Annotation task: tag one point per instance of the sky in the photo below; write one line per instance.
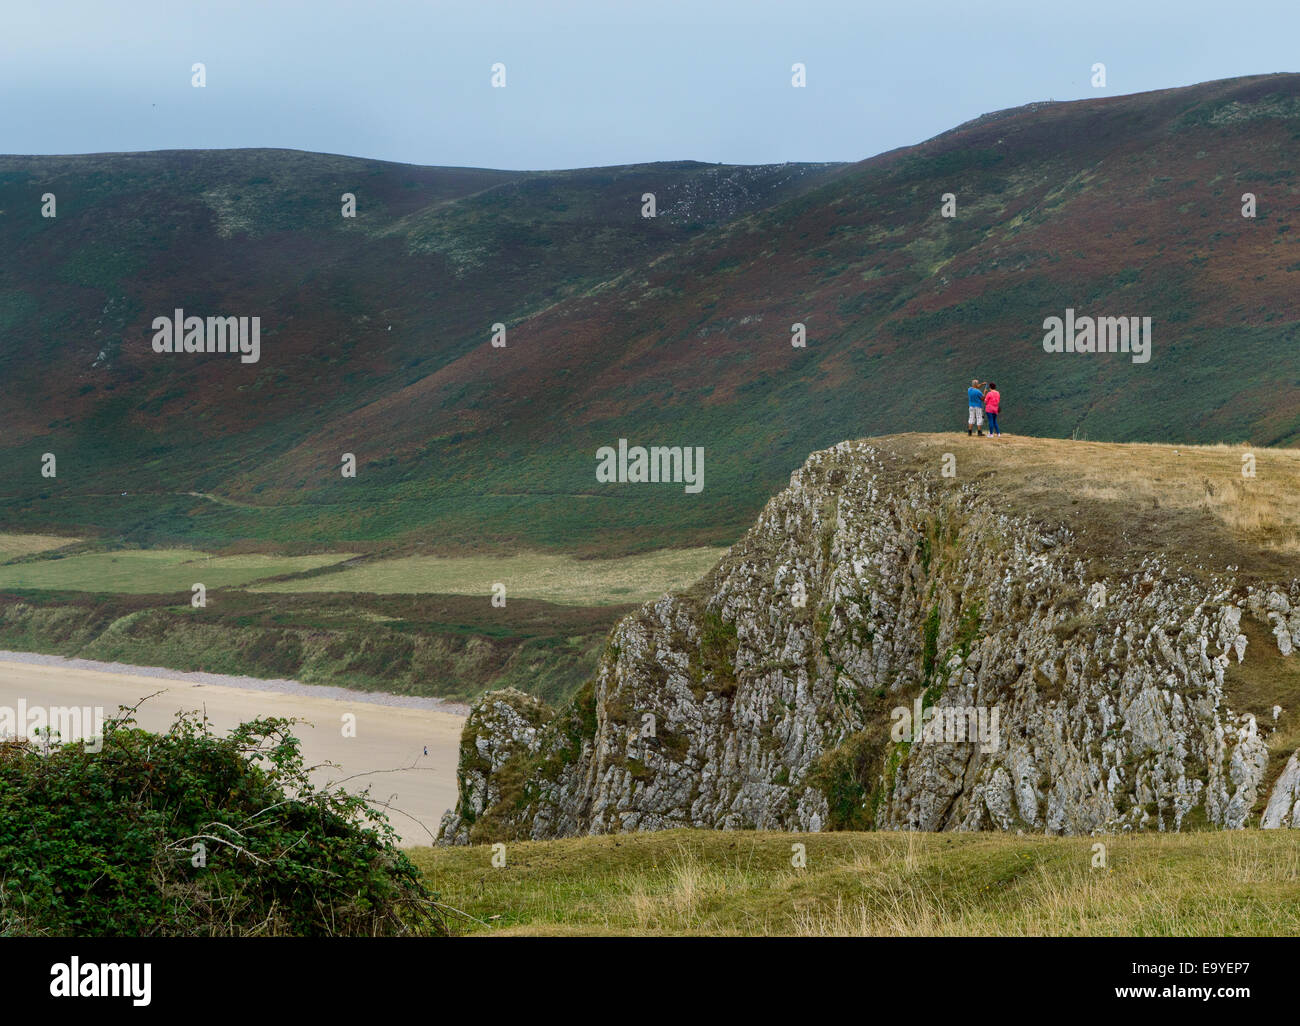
(590, 82)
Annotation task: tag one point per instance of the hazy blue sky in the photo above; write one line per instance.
(590, 81)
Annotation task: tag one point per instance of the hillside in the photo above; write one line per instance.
(353, 311)
(673, 330)
(940, 633)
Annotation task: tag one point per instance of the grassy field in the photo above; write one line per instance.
(153, 571)
(564, 580)
(560, 579)
(877, 884)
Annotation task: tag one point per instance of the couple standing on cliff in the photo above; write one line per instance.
(983, 399)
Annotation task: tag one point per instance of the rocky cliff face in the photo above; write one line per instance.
(888, 649)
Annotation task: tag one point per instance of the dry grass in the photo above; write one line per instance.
(739, 883)
(1186, 499)
(533, 575)
(13, 546)
(1158, 890)
(1261, 510)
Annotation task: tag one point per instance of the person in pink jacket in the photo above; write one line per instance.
(992, 402)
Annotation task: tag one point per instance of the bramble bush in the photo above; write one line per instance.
(104, 843)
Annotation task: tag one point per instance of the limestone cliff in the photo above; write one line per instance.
(1066, 681)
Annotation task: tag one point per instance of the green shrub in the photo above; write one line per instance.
(108, 843)
(847, 776)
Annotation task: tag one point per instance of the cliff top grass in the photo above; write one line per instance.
(1128, 500)
(700, 882)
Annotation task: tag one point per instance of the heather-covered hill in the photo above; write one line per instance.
(352, 310)
(674, 330)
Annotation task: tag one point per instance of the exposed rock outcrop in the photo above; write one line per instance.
(884, 650)
(502, 726)
(1283, 809)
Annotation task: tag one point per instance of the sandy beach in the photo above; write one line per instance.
(387, 750)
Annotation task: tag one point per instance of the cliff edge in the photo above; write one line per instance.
(934, 632)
